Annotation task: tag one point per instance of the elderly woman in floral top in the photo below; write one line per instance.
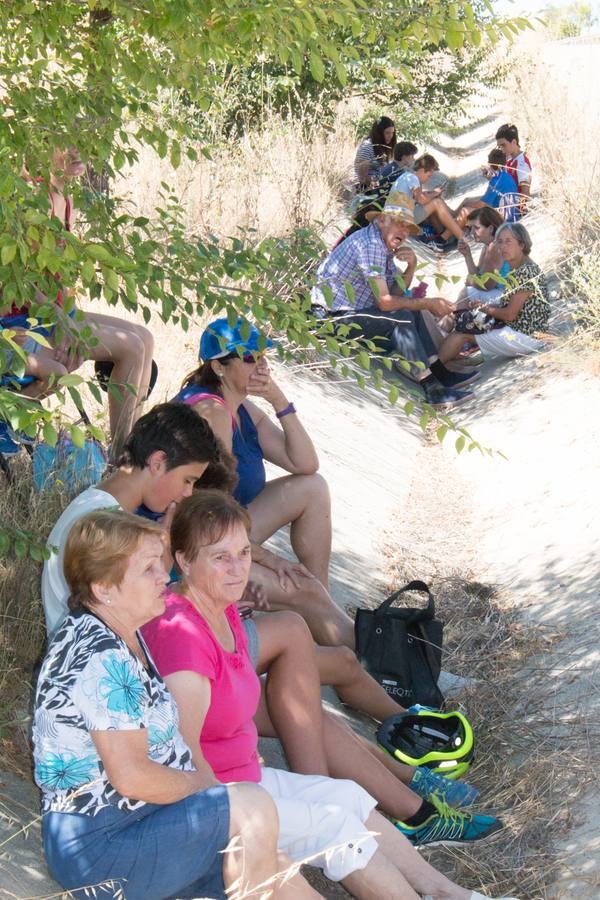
(123, 806)
(511, 329)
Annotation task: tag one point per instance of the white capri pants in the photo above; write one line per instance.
(506, 343)
(321, 821)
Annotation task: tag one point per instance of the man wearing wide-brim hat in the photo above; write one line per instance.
(359, 283)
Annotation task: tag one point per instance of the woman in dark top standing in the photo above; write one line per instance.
(232, 368)
(375, 151)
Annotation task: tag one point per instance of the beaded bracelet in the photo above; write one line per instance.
(290, 408)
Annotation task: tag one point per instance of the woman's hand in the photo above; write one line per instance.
(260, 384)
(464, 248)
(288, 572)
(254, 597)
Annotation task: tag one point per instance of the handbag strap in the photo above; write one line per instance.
(428, 612)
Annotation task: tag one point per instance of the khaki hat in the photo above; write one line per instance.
(398, 206)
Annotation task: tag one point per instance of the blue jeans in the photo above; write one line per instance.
(401, 333)
(157, 852)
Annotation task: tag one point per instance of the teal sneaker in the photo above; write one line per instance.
(449, 826)
(425, 782)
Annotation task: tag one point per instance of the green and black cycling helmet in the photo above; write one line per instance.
(442, 741)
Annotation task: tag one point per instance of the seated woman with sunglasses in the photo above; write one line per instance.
(232, 368)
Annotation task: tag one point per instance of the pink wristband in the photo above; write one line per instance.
(290, 408)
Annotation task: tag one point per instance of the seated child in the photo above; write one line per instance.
(430, 207)
(501, 193)
(403, 161)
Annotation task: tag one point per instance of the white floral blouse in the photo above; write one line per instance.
(90, 681)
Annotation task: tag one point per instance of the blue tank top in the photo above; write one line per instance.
(246, 448)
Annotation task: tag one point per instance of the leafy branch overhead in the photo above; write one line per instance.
(89, 73)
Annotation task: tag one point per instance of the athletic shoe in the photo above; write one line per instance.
(446, 245)
(444, 398)
(425, 782)
(449, 826)
(457, 379)
(8, 447)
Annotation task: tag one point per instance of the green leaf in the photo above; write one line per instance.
(364, 360)
(8, 253)
(77, 435)
(317, 69)
(460, 443)
(50, 434)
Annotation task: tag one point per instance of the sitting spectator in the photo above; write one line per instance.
(374, 152)
(122, 801)
(430, 207)
(484, 224)
(508, 330)
(403, 161)
(169, 449)
(127, 345)
(279, 644)
(501, 193)
(200, 649)
(382, 310)
(232, 369)
(517, 163)
(373, 199)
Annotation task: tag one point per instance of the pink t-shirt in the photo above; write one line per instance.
(182, 640)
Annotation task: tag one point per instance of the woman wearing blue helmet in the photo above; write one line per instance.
(232, 368)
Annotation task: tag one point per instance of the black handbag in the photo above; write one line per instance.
(401, 647)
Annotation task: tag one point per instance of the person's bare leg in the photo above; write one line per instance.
(421, 876)
(438, 209)
(126, 350)
(250, 858)
(303, 502)
(293, 696)
(348, 757)
(346, 754)
(339, 667)
(147, 340)
(290, 885)
(452, 345)
(46, 370)
(328, 624)
(379, 880)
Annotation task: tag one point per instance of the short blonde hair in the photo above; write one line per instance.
(97, 551)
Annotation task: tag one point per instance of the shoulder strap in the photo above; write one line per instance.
(192, 399)
(429, 610)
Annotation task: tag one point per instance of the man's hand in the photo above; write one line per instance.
(406, 255)
(438, 306)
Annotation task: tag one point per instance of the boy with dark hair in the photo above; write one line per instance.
(501, 193)
(404, 158)
(167, 451)
(517, 163)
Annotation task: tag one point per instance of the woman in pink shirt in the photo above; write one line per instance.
(199, 646)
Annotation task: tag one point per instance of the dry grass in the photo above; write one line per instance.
(520, 765)
(22, 628)
(553, 97)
